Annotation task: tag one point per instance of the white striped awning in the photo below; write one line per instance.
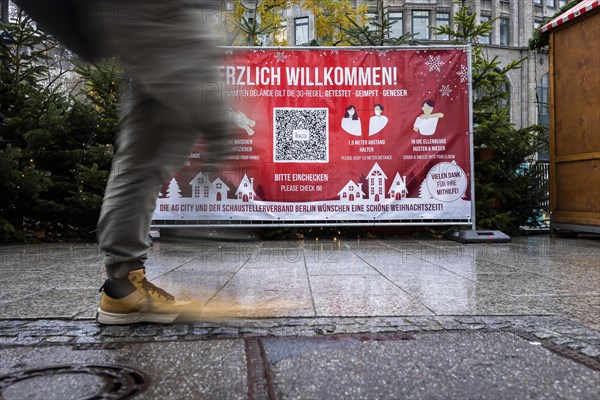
(570, 14)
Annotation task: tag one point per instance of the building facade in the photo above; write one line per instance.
(514, 23)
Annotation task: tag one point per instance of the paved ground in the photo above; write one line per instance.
(313, 319)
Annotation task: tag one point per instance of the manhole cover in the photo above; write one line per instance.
(71, 382)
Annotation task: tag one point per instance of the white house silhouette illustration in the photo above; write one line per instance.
(376, 180)
(201, 186)
(245, 191)
(219, 190)
(204, 189)
(351, 192)
(398, 190)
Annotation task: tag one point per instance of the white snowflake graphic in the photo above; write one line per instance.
(382, 53)
(445, 90)
(434, 63)
(335, 52)
(463, 73)
(280, 57)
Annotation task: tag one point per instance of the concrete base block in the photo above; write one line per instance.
(479, 236)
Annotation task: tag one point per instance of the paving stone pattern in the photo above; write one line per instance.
(556, 333)
(538, 275)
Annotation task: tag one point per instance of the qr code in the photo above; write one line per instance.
(301, 135)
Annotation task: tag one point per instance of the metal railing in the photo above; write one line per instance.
(541, 173)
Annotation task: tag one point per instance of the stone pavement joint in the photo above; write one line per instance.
(566, 337)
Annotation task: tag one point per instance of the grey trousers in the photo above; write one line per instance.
(167, 49)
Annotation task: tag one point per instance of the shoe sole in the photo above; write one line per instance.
(107, 318)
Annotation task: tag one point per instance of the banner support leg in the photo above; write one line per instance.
(473, 235)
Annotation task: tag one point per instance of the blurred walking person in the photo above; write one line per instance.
(168, 51)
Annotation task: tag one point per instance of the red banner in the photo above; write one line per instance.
(336, 134)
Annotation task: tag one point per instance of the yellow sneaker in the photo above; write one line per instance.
(134, 299)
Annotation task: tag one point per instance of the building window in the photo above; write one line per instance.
(420, 24)
(206, 191)
(537, 2)
(442, 19)
(301, 31)
(488, 38)
(542, 100)
(504, 31)
(281, 33)
(550, 3)
(197, 191)
(505, 88)
(542, 107)
(371, 19)
(561, 3)
(397, 21)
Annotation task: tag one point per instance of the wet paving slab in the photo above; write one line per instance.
(317, 319)
(360, 277)
(450, 365)
(169, 370)
(338, 358)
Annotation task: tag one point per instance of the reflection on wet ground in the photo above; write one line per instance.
(538, 275)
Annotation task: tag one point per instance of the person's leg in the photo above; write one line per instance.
(151, 145)
(167, 50)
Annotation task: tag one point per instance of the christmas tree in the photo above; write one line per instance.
(26, 102)
(56, 148)
(506, 194)
(173, 191)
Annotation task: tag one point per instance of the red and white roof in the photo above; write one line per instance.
(570, 14)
